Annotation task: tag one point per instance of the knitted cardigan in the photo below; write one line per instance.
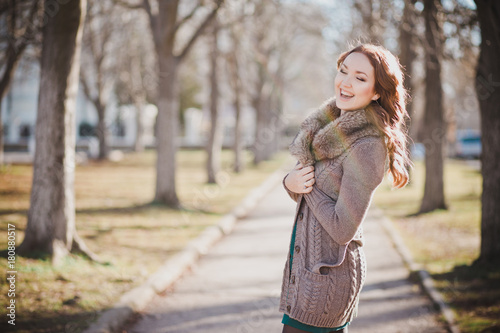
(328, 270)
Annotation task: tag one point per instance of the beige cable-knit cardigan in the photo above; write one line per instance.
(328, 270)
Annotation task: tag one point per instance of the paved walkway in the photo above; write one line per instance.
(235, 287)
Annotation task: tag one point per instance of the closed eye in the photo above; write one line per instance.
(361, 79)
(343, 71)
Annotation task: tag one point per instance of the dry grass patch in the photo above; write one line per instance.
(117, 220)
(446, 242)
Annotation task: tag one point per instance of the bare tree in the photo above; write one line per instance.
(23, 21)
(165, 25)
(98, 73)
(407, 45)
(136, 83)
(234, 20)
(269, 47)
(434, 125)
(51, 216)
(374, 17)
(408, 55)
(277, 29)
(234, 78)
(487, 85)
(368, 18)
(139, 97)
(260, 99)
(214, 144)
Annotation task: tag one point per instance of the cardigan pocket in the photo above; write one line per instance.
(316, 269)
(312, 291)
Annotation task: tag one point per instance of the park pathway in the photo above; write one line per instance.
(235, 287)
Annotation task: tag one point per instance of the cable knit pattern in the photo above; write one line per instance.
(329, 267)
(317, 242)
(353, 260)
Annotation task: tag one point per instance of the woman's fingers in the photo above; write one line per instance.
(308, 189)
(307, 170)
(300, 179)
(308, 176)
(310, 182)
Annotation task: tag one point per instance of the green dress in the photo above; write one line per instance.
(295, 323)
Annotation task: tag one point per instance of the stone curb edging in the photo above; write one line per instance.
(136, 299)
(423, 275)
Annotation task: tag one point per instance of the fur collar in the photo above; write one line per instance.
(326, 135)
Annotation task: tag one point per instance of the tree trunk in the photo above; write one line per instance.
(139, 137)
(164, 27)
(268, 125)
(137, 92)
(407, 57)
(373, 32)
(407, 54)
(277, 125)
(268, 131)
(51, 216)
(435, 130)
(98, 36)
(214, 145)
(260, 133)
(102, 131)
(1, 135)
(276, 110)
(260, 117)
(167, 120)
(167, 123)
(236, 84)
(488, 93)
(238, 139)
(370, 23)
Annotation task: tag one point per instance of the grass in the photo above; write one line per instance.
(447, 242)
(115, 218)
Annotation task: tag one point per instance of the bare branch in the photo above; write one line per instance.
(238, 20)
(86, 87)
(199, 31)
(3, 7)
(29, 28)
(16, 44)
(129, 5)
(9, 68)
(96, 49)
(11, 19)
(153, 22)
(188, 16)
(146, 5)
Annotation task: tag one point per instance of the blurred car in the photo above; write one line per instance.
(469, 147)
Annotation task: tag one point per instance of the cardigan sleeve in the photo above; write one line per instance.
(293, 195)
(363, 171)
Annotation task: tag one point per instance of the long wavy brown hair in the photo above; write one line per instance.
(391, 120)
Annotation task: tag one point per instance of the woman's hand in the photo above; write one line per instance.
(300, 179)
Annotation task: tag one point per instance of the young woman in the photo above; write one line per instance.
(342, 149)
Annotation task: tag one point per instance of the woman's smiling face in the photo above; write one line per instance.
(355, 83)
